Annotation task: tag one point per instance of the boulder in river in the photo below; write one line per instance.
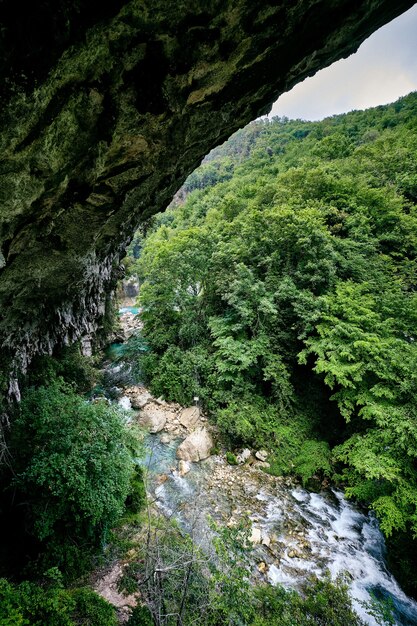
(183, 467)
(153, 417)
(189, 417)
(256, 536)
(139, 396)
(196, 446)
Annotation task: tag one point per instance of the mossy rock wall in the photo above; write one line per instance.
(106, 110)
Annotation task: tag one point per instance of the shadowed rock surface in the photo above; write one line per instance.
(104, 115)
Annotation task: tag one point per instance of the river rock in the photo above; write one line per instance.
(264, 464)
(196, 446)
(261, 455)
(139, 396)
(243, 456)
(189, 417)
(183, 467)
(262, 567)
(256, 535)
(154, 418)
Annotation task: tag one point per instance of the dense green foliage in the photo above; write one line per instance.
(70, 476)
(28, 604)
(73, 466)
(283, 294)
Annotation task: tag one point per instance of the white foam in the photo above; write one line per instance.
(124, 402)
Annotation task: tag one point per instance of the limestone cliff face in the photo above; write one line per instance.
(104, 114)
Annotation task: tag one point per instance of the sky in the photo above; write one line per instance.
(383, 69)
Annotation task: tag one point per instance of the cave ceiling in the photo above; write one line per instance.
(106, 107)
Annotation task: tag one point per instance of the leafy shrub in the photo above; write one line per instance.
(323, 602)
(178, 375)
(231, 458)
(137, 493)
(140, 616)
(73, 466)
(69, 364)
(314, 457)
(29, 604)
(91, 609)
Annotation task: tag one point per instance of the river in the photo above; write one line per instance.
(297, 532)
(302, 533)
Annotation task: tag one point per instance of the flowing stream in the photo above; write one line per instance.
(302, 533)
(299, 533)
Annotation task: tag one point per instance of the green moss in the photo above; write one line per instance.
(231, 458)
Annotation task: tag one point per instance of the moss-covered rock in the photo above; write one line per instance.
(105, 113)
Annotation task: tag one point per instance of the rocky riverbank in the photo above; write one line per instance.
(294, 533)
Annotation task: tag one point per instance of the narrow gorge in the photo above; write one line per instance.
(106, 110)
(208, 319)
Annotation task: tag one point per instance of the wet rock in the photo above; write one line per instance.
(189, 417)
(183, 467)
(197, 446)
(130, 324)
(153, 417)
(139, 396)
(261, 455)
(124, 403)
(165, 438)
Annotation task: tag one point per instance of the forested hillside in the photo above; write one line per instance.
(282, 293)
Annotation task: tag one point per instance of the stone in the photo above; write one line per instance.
(153, 418)
(197, 446)
(243, 456)
(256, 535)
(262, 567)
(266, 541)
(139, 396)
(264, 464)
(189, 417)
(104, 114)
(183, 467)
(165, 438)
(291, 554)
(261, 455)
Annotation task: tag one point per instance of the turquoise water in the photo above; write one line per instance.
(115, 351)
(129, 309)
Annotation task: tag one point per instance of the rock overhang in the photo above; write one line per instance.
(104, 116)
